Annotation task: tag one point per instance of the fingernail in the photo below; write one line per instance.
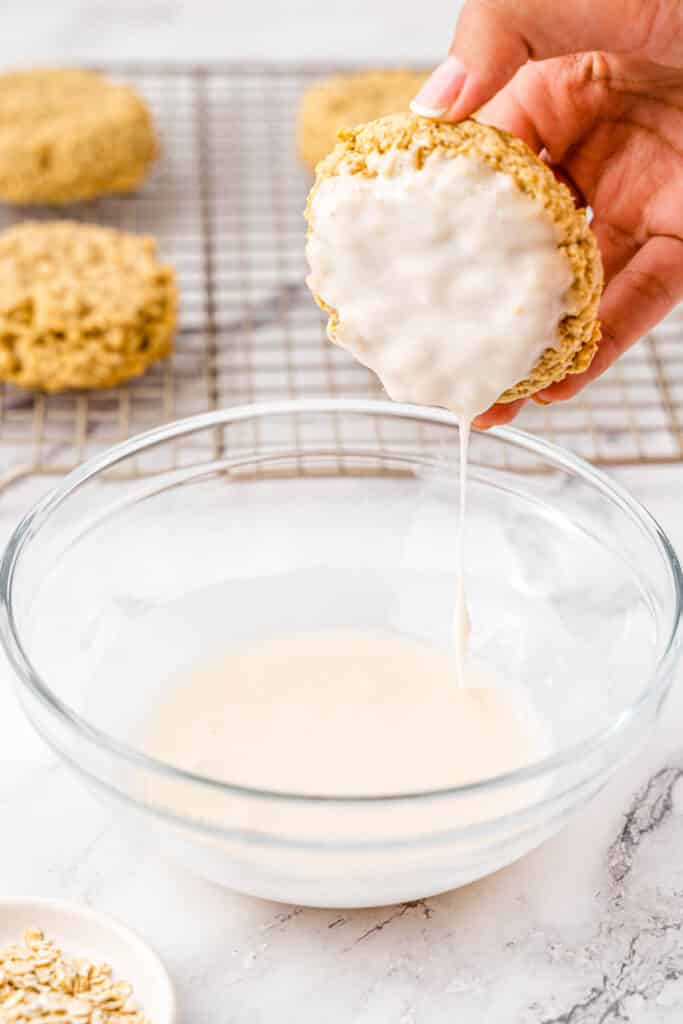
(441, 89)
(433, 112)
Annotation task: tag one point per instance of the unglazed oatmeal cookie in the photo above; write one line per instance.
(434, 246)
(344, 101)
(81, 306)
(69, 134)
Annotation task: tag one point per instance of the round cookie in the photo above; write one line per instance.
(68, 134)
(81, 306)
(344, 101)
(414, 140)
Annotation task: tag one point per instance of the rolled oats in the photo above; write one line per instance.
(40, 983)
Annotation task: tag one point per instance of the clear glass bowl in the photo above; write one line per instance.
(331, 513)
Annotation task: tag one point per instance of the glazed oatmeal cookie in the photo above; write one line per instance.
(413, 140)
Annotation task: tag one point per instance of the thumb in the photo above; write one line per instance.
(494, 39)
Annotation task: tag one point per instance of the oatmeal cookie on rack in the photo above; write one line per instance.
(343, 101)
(68, 134)
(81, 306)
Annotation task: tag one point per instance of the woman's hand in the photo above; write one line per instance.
(597, 89)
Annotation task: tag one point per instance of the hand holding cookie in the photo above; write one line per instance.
(608, 120)
(452, 263)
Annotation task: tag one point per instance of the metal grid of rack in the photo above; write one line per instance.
(225, 204)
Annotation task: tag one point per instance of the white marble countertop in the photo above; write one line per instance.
(587, 929)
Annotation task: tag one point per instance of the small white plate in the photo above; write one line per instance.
(84, 932)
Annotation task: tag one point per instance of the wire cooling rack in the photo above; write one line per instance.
(225, 204)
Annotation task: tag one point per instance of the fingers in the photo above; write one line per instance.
(488, 50)
(498, 414)
(617, 247)
(555, 103)
(494, 39)
(441, 89)
(637, 298)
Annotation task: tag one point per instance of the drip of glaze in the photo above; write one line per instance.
(448, 282)
(462, 618)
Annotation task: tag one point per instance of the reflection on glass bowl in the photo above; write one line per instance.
(327, 515)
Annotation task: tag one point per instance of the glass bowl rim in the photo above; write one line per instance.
(31, 523)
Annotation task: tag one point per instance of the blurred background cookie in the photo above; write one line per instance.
(69, 134)
(344, 101)
(81, 306)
